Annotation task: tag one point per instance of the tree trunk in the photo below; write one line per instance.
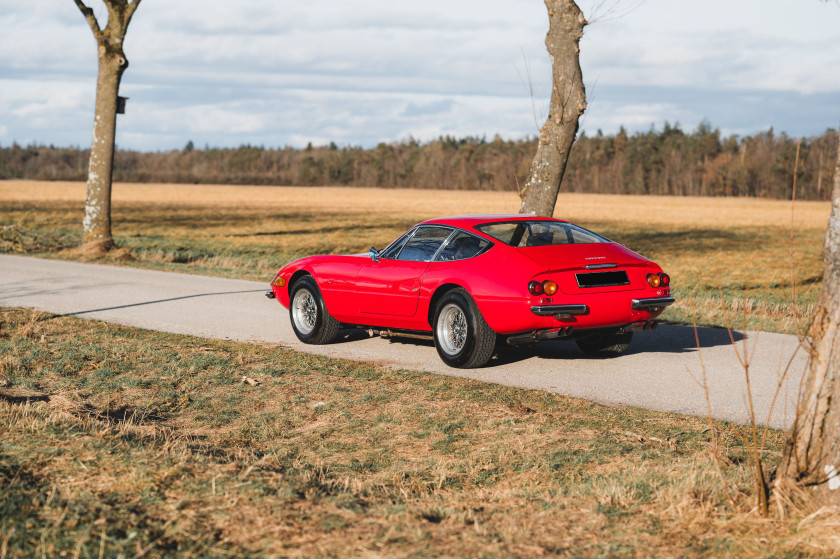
(97, 221)
(812, 453)
(568, 101)
(96, 226)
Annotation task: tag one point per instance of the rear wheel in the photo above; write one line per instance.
(605, 345)
(310, 320)
(462, 337)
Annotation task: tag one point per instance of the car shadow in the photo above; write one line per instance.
(668, 338)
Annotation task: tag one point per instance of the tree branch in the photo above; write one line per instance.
(91, 18)
(129, 11)
(122, 8)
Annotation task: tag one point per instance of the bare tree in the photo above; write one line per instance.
(812, 454)
(568, 101)
(112, 64)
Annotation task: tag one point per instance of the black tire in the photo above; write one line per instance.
(462, 337)
(605, 345)
(310, 320)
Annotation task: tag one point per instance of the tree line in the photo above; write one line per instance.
(666, 161)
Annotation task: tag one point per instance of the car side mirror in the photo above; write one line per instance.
(374, 254)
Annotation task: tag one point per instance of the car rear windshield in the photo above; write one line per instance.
(539, 233)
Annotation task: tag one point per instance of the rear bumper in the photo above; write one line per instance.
(564, 311)
(596, 310)
(652, 304)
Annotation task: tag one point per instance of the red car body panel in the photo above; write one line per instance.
(389, 287)
(398, 294)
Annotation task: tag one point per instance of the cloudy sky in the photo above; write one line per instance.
(358, 72)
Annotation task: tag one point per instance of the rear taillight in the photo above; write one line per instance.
(659, 280)
(547, 287)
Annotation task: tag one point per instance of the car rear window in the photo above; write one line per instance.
(539, 233)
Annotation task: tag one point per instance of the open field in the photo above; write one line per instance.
(722, 253)
(125, 442)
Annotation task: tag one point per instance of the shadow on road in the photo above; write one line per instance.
(665, 339)
(672, 338)
(144, 303)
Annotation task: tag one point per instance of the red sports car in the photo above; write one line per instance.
(469, 281)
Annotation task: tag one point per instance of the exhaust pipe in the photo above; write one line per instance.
(540, 335)
(639, 326)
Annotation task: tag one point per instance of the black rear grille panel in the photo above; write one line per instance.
(602, 279)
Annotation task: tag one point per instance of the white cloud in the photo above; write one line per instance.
(364, 71)
(782, 45)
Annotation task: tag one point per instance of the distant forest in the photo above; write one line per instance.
(669, 161)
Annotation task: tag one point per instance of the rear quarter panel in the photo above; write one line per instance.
(497, 281)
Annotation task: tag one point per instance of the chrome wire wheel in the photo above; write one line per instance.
(452, 329)
(304, 311)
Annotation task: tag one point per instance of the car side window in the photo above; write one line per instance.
(462, 246)
(425, 242)
(394, 248)
(539, 233)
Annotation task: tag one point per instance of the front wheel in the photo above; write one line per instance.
(605, 345)
(310, 320)
(462, 337)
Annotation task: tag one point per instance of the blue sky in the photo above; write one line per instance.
(359, 72)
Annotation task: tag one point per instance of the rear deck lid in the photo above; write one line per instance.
(591, 268)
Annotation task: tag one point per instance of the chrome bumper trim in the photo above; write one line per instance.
(551, 310)
(653, 303)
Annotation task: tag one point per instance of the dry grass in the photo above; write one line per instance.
(669, 211)
(142, 443)
(725, 253)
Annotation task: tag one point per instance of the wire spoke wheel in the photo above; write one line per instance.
(452, 329)
(310, 318)
(304, 311)
(462, 337)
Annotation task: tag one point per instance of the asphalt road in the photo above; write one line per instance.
(656, 373)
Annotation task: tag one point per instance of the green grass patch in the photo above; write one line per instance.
(124, 442)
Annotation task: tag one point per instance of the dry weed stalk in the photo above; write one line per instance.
(756, 447)
(745, 357)
(792, 263)
(716, 454)
(31, 327)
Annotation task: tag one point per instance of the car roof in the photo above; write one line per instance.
(469, 221)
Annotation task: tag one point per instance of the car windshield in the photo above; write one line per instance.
(539, 233)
